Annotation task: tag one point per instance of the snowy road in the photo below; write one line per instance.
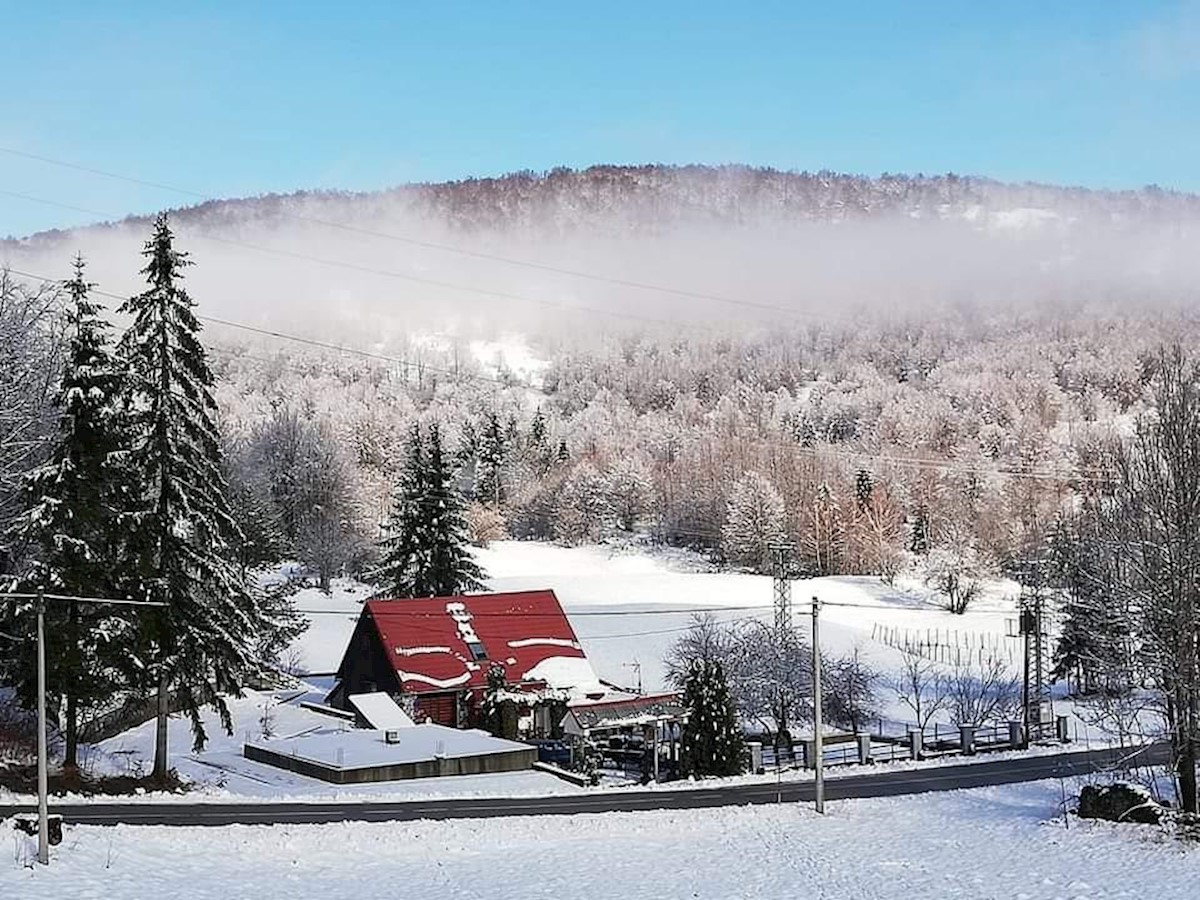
(996, 843)
(881, 784)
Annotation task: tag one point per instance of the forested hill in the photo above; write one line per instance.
(654, 197)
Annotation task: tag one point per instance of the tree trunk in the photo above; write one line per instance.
(160, 733)
(1185, 768)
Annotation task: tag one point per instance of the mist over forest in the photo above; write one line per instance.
(784, 248)
(901, 362)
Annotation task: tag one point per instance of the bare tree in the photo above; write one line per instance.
(982, 689)
(923, 687)
(768, 676)
(706, 640)
(1151, 528)
(30, 347)
(850, 691)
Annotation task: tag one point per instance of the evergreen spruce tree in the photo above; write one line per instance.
(919, 542)
(493, 448)
(712, 742)
(70, 525)
(864, 485)
(450, 567)
(401, 547)
(201, 646)
(425, 551)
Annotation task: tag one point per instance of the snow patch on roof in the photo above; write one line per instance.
(435, 682)
(415, 651)
(544, 642)
(572, 673)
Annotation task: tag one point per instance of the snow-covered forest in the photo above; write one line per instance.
(833, 381)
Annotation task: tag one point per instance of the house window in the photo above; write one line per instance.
(477, 651)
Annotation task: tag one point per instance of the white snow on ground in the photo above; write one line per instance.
(622, 604)
(220, 773)
(1004, 842)
(627, 606)
(510, 353)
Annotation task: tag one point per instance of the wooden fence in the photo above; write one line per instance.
(947, 646)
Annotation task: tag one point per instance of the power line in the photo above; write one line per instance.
(324, 345)
(919, 463)
(400, 601)
(433, 282)
(386, 273)
(417, 242)
(12, 595)
(694, 610)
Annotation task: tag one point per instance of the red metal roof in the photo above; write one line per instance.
(435, 644)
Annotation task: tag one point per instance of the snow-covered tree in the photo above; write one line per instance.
(1150, 537)
(712, 742)
(425, 551)
(70, 523)
(768, 674)
(181, 533)
(490, 485)
(630, 491)
(754, 523)
(583, 506)
(31, 350)
(824, 536)
(451, 567)
(957, 569)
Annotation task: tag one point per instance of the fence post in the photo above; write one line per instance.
(810, 754)
(864, 749)
(916, 742)
(966, 734)
(1016, 737)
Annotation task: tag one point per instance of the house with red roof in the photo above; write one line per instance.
(445, 656)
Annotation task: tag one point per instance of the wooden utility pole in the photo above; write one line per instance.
(818, 746)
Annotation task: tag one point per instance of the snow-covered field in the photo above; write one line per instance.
(627, 605)
(1006, 842)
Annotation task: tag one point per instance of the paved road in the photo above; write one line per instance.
(883, 783)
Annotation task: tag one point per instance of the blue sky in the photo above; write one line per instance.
(244, 98)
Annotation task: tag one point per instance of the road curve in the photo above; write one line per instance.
(882, 783)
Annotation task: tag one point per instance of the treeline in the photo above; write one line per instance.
(659, 197)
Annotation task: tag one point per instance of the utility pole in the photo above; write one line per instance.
(43, 761)
(43, 779)
(818, 746)
(783, 627)
(1036, 691)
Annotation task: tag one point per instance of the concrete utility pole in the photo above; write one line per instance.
(818, 746)
(43, 779)
(43, 754)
